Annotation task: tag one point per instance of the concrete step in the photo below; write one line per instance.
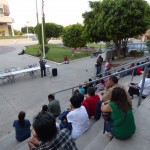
(90, 134)
(98, 143)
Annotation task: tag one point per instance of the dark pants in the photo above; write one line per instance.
(97, 114)
(43, 71)
(98, 69)
(133, 91)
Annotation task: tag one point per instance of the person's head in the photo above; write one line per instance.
(146, 60)
(21, 117)
(91, 91)
(51, 97)
(100, 76)
(132, 64)
(76, 92)
(119, 97)
(44, 108)
(44, 125)
(76, 100)
(113, 80)
(138, 64)
(90, 80)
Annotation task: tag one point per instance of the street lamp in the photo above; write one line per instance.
(27, 29)
(37, 12)
(43, 28)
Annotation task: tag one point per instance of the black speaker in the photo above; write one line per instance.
(54, 71)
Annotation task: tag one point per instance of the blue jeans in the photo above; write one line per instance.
(97, 114)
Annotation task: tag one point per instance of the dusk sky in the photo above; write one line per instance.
(63, 12)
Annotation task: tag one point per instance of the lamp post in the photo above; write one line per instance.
(43, 29)
(27, 29)
(37, 12)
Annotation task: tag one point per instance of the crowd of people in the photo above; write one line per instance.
(85, 104)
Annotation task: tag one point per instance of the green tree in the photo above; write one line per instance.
(53, 30)
(73, 36)
(116, 20)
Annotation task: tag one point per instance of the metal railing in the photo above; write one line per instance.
(145, 65)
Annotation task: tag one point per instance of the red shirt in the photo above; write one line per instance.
(90, 104)
(139, 71)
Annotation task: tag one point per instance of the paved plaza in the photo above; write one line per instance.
(29, 94)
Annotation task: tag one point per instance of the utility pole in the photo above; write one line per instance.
(37, 12)
(43, 19)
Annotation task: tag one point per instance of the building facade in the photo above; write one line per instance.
(5, 20)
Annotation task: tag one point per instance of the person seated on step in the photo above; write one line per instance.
(54, 105)
(44, 108)
(138, 71)
(78, 116)
(46, 135)
(22, 127)
(111, 84)
(121, 124)
(66, 61)
(90, 102)
(81, 89)
(100, 85)
(134, 88)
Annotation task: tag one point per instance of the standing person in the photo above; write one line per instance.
(78, 116)
(46, 136)
(122, 124)
(22, 127)
(98, 65)
(107, 66)
(54, 105)
(42, 66)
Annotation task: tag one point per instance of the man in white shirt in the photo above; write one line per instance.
(135, 88)
(78, 117)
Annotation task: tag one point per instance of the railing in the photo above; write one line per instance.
(127, 70)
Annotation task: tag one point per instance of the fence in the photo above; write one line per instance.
(72, 89)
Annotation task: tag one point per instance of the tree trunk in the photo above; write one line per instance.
(118, 46)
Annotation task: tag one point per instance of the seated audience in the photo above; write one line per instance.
(66, 61)
(54, 105)
(134, 88)
(44, 108)
(46, 136)
(78, 116)
(112, 83)
(100, 85)
(91, 101)
(81, 89)
(138, 71)
(22, 127)
(122, 124)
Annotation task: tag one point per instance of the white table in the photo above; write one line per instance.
(11, 75)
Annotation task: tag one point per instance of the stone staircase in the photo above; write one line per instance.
(94, 139)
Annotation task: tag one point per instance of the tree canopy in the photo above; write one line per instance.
(50, 30)
(116, 20)
(73, 36)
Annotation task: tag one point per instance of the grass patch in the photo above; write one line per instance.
(11, 37)
(96, 45)
(57, 52)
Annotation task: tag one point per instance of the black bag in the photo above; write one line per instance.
(54, 71)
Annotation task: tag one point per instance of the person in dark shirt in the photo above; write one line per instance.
(42, 66)
(22, 127)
